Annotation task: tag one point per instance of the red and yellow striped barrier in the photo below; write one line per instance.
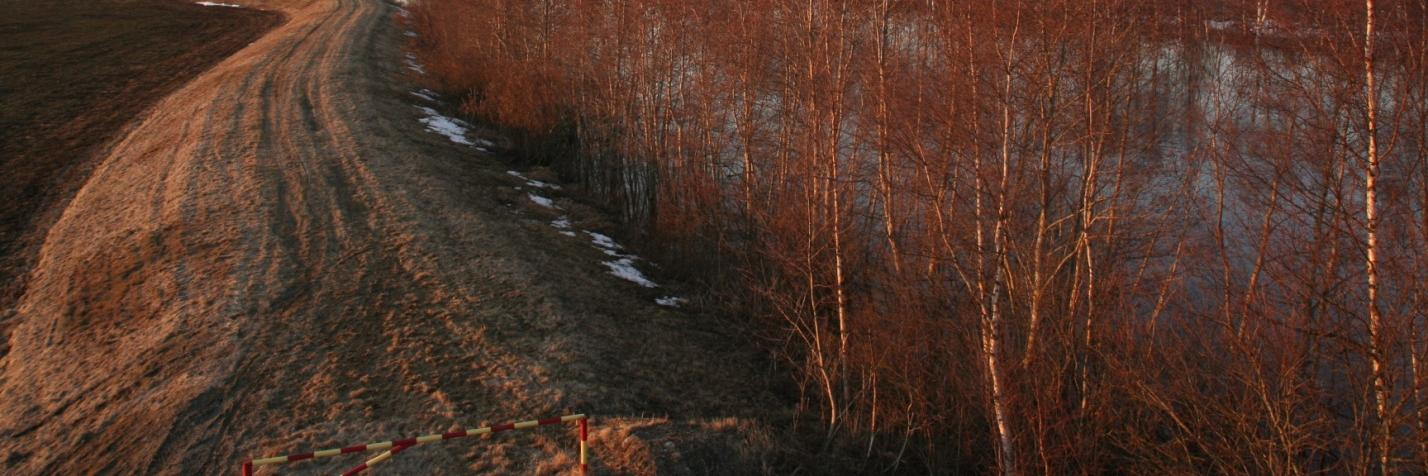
(386, 455)
(397, 446)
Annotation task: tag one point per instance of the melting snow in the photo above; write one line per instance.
(413, 65)
(624, 268)
(426, 94)
(542, 201)
(624, 265)
(216, 4)
(563, 224)
(605, 243)
(529, 182)
(454, 129)
(670, 301)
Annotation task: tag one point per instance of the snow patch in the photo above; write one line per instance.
(624, 264)
(533, 183)
(454, 129)
(670, 301)
(426, 94)
(542, 201)
(413, 65)
(411, 33)
(606, 244)
(562, 224)
(216, 4)
(624, 268)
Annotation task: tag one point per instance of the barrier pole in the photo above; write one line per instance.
(584, 434)
(386, 455)
(399, 445)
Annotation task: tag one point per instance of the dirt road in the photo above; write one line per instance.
(277, 257)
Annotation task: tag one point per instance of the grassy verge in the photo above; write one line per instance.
(72, 74)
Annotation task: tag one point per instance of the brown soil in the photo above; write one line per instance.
(277, 258)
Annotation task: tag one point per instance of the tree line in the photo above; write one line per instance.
(1015, 236)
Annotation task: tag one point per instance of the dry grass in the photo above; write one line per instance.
(278, 258)
(72, 74)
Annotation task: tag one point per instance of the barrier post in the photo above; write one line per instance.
(248, 468)
(584, 434)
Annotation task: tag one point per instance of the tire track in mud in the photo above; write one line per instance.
(278, 257)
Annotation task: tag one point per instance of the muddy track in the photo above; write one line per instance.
(278, 258)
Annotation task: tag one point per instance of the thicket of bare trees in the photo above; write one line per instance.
(1016, 236)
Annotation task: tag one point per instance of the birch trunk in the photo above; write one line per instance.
(1376, 332)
